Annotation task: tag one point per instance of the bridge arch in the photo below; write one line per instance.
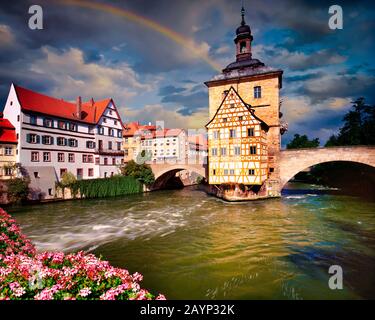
(164, 172)
(297, 160)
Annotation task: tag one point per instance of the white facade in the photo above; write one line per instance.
(168, 147)
(88, 150)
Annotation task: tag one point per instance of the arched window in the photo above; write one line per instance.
(242, 47)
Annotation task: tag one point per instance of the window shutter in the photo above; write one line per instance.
(37, 139)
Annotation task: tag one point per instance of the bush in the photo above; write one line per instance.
(142, 172)
(25, 275)
(67, 179)
(18, 189)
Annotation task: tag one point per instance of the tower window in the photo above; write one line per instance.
(250, 132)
(242, 47)
(251, 172)
(257, 92)
(253, 150)
(225, 119)
(232, 133)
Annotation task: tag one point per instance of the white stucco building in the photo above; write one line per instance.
(83, 138)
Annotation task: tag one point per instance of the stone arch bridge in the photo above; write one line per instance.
(291, 162)
(163, 172)
(297, 160)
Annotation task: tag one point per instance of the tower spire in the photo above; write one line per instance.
(242, 15)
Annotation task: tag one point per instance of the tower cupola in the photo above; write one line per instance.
(243, 39)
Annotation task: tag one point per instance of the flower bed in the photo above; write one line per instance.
(24, 274)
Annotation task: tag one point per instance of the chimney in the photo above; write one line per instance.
(79, 107)
(92, 102)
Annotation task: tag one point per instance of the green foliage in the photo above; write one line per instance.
(108, 187)
(67, 179)
(142, 172)
(302, 142)
(358, 128)
(18, 189)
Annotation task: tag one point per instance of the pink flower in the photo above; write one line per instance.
(160, 297)
(137, 277)
(85, 292)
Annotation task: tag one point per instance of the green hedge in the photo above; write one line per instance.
(107, 187)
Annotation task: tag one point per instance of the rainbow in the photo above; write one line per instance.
(131, 16)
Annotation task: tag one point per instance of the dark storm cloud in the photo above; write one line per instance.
(190, 101)
(167, 90)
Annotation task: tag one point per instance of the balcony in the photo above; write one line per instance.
(109, 152)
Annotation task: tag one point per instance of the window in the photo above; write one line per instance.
(36, 174)
(253, 150)
(118, 146)
(115, 122)
(79, 173)
(104, 120)
(225, 92)
(47, 156)
(90, 144)
(109, 145)
(32, 138)
(100, 130)
(33, 120)
(232, 133)
(214, 151)
(251, 172)
(232, 105)
(60, 157)
(47, 140)
(111, 132)
(257, 92)
(225, 119)
(73, 143)
(225, 172)
(216, 134)
(240, 118)
(50, 191)
(87, 158)
(250, 132)
(237, 151)
(231, 172)
(91, 172)
(97, 160)
(8, 151)
(242, 46)
(47, 122)
(119, 133)
(62, 171)
(72, 127)
(223, 151)
(18, 118)
(61, 125)
(8, 171)
(272, 170)
(105, 161)
(71, 157)
(61, 141)
(34, 156)
(114, 161)
(214, 172)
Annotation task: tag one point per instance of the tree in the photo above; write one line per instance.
(67, 179)
(299, 141)
(141, 172)
(18, 189)
(358, 128)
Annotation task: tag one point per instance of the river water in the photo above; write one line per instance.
(189, 245)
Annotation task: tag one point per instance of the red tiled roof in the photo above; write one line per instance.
(7, 132)
(36, 102)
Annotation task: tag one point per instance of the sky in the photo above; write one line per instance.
(152, 57)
